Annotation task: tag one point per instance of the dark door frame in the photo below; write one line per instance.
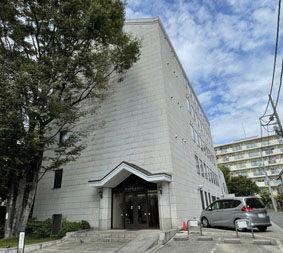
(136, 209)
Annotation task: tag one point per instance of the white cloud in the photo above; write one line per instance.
(227, 50)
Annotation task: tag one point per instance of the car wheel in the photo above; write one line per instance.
(262, 229)
(205, 223)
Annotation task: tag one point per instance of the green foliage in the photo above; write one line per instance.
(242, 186)
(39, 229)
(226, 173)
(265, 197)
(55, 58)
(43, 229)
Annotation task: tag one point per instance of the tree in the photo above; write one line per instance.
(242, 186)
(226, 173)
(54, 56)
(265, 196)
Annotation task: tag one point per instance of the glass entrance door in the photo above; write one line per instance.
(136, 211)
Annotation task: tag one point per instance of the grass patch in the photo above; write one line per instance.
(13, 242)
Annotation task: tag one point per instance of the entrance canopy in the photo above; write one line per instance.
(125, 169)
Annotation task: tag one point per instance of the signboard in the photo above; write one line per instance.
(193, 223)
(21, 244)
(242, 224)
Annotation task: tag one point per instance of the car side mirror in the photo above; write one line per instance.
(209, 208)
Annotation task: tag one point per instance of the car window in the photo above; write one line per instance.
(215, 206)
(227, 204)
(236, 203)
(254, 203)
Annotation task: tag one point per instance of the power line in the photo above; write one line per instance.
(275, 55)
(278, 94)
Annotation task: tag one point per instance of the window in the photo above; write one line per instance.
(197, 164)
(274, 171)
(188, 105)
(280, 140)
(64, 135)
(58, 179)
(193, 133)
(269, 151)
(261, 180)
(251, 145)
(237, 157)
(225, 159)
(254, 154)
(265, 143)
(236, 148)
(201, 168)
(256, 163)
(240, 165)
(244, 174)
(258, 173)
(215, 206)
(254, 203)
(224, 150)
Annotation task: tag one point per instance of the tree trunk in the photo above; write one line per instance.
(9, 211)
(18, 206)
(26, 210)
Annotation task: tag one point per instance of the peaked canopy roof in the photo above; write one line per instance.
(123, 170)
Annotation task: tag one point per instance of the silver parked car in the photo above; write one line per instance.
(224, 212)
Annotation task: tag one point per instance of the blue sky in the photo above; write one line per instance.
(227, 50)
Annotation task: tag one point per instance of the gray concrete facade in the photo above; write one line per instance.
(152, 119)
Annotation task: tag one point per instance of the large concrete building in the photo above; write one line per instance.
(243, 157)
(149, 161)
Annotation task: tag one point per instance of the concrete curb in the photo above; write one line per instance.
(232, 240)
(32, 247)
(262, 242)
(280, 230)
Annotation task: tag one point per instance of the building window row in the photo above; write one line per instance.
(200, 120)
(202, 145)
(203, 170)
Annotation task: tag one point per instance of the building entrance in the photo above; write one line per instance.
(135, 204)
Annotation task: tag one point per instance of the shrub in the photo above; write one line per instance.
(41, 229)
(84, 224)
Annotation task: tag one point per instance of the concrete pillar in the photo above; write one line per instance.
(105, 209)
(165, 220)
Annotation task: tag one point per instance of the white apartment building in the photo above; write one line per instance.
(243, 157)
(149, 161)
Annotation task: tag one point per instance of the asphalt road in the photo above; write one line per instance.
(277, 218)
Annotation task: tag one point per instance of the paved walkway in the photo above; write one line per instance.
(217, 244)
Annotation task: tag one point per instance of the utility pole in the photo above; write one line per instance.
(278, 130)
(268, 184)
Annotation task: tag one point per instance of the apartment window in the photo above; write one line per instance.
(260, 180)
(256, 163)
(280, 140)
(193, 133)
(225, 159)
(193, 113)
(265, 143)
(269, 151)
(274, 171)
(58, 179)
(244, 174)
(258, 173)
(197, 164)
(251, 145)
(224, 150)
(272, 161)
(237, 157)
(236, 148)
(240, 165)
(254, 154)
